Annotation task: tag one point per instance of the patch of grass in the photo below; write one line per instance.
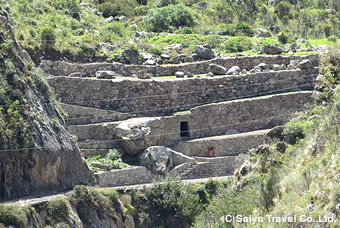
(112, 160)
(185, 112)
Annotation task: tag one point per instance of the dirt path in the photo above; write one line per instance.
(36, 200)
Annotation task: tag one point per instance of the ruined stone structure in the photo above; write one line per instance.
(162, 97)
(61, 68)
(228, 114)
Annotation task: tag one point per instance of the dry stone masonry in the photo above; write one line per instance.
(161, 97)
(61, 68)
(223, 116)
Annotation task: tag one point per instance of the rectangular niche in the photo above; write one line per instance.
(184, 126)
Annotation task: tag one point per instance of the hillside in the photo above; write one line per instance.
(37, 153)
(102, 30)
(284, 179)
(115, 113)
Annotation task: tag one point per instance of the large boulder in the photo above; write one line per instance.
(179, 74)
(105, 74)
(107, 48)
(131, 56)
(159, 159)
(217, 69)
(305, 64)
(204, 52)
(260, 33)
(272, 50)
(263, 66)
(141, 133)
(142, 74)
(235, 70)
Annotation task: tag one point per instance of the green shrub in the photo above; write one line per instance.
(283, 8)
(115, 27)
(238, 29)
(202, 193)
(238, 44)
(141, 10)
(113, 154)
(184, 30)
(282, 37)
(162, 3)
(211, 186)
(268, 189)
(48, 37)
(298, 128)
(12, 216)
(158, 20)
(330, 67)
(57, 209)
(112, 160)
(161, 19)
(83, 200)
(112, 194)
(170, 197)
(332, 38)
(117, 7)
(214, 41)
(227, 202)
(71, 6)
(335, 194)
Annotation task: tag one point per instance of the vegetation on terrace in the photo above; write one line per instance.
(69, 30)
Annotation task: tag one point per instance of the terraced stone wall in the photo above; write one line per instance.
(224, 145)
(128, 176)
(243, 115)
(61, 68)
(162, 97)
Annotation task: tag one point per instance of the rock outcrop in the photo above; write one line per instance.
(217, 69)
(159, 159)
(272, 50)
(204, 52)
(43, 158)
(139, 134)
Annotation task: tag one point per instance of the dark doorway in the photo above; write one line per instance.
(185, 129)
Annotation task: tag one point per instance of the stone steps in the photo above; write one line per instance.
(213, 167)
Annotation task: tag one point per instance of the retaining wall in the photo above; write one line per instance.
(140, 175)
(86, 115)
(224, 145)
(213, 167)
(162, 97)
(128, 176)
(61, 68)
(210, 120)
(243, 115)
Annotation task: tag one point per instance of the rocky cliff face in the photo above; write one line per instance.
(37, 155)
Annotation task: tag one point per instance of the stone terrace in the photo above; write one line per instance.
(61, 68)
(162, 97)
(248, 105)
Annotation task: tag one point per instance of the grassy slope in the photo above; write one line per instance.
(304, 180)
(81, 35)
